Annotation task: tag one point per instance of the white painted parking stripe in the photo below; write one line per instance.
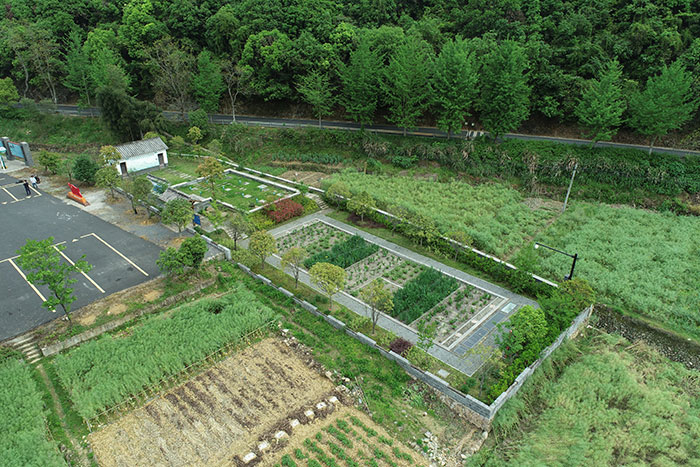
(116, 251)
(81, 272)
(25, 278)
(5, 190)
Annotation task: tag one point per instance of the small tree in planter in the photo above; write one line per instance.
(139, 188)
(294, 258)
(329, 277)
(262, 244)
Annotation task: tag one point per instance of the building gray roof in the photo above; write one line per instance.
(139, 148)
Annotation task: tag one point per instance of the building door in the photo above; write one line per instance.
(122, 167)
(161, 161)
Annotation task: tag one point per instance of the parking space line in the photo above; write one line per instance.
(25, 278)
(81, 272)
(116, 251)
(5, 190)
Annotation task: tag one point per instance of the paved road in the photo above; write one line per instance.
(454, 358)
(389, 129)
(120, 259)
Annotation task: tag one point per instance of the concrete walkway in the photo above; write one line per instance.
(455, 358)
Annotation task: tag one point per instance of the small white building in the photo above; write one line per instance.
(140, 155)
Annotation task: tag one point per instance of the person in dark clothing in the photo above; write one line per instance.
(26, 187)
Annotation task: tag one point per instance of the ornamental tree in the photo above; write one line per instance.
(138, 188)
(109, 155)
(505, 93)
(361, 204)
(294, 259)
(177, 211)
(262, 244)
(107, 177)
(329, 277)
(239, 226)
(406, 83)
(379, 299)
(211, 169)
(44, 265)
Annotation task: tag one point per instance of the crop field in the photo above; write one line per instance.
(266, 399)
(105, 372)
(494, 215)
(601, 401)
(239, 191)
(23, 436)
(421, 296)
(346, 438)
(643, 261)
(314, 238)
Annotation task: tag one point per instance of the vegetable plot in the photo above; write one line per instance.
(344, 254)
(421, 294)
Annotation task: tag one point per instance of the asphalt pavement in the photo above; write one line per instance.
(120, 259)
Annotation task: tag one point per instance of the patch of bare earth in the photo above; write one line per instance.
(308, 178)
(219, 415)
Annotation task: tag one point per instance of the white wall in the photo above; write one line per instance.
(146, 161)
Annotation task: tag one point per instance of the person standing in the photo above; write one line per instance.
(32, 180)
(26, 187)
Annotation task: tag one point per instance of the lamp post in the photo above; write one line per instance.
(574, 256)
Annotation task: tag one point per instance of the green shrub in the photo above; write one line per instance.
(328, 159)
(84, 169)
(345, 253)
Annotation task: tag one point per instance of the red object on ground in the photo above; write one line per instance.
(75, 195)
(75, 190)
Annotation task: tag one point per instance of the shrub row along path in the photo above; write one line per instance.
(485, 333)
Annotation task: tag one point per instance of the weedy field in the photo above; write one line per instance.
(601, 401)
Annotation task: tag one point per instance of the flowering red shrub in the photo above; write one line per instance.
(284, 210)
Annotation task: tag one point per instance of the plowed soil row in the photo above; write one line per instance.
(216, 415)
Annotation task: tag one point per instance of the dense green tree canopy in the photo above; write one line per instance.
(66, 51)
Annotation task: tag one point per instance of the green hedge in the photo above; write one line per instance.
(422, 293)
(105, 372)
(345, 253)
(23, 439)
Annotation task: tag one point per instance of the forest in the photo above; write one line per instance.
(603, 64)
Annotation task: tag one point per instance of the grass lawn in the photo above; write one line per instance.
(67, 133)
(600, 401)
(179, 169)
(241, 192)
(642, 261)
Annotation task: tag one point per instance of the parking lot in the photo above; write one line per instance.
(119, 259)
